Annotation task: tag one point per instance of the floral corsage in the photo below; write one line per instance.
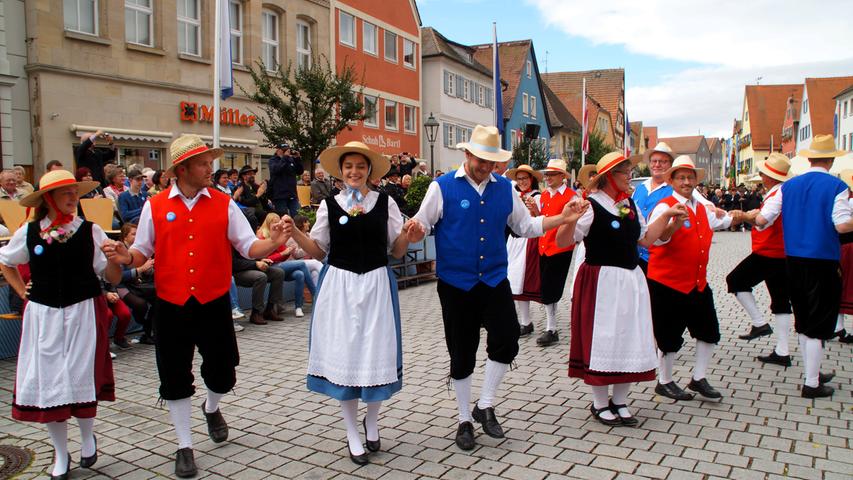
(625, 210)
(355, 211)
(56, 234)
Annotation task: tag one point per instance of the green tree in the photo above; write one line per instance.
(306, 107)
(598, 147)
(531, 152)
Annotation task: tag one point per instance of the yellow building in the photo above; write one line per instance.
(761, 129)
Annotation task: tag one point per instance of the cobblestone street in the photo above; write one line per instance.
(761, 429)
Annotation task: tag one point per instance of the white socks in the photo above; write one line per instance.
(620, 397)
(523, 309)
(812, 350)
(87, 436)
(463, 398)
(839, 325)
(59, 436)
(551, 317)
(667, 363)
(349, 410)
(494, 374)
(748, 301)
(783, 326)
(703, 357)
(180, 413)
(600, 399)
(372, 420)
(212, 403)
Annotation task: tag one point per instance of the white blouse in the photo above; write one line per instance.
(16, 252)
(320, 230)
(585, 222)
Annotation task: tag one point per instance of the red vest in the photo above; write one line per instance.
(553, 206)
(680, 264)
(192, 250)
(769, 242)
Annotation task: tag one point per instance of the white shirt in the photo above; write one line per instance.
(842, 211)
(320, 232)
(16, 252)
(710, 212)
(240, 233)
(520, 221)
(585, 222)
(767, 198)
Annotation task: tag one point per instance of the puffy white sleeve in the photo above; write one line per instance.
(99, 260)
(395, 223)
(584, 224)
(320, 229)
(15, 252)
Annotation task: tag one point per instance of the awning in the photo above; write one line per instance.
(232, 142)
(124, 133)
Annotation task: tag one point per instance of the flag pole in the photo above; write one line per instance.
(217, 81)
(583, 122)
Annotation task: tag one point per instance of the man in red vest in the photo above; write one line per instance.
(190, 229)
(554, 261)
(678, 286)
(766, 264)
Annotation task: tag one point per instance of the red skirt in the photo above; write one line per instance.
(532, 286)
(585, 296)
(104, 380)
(846, 279)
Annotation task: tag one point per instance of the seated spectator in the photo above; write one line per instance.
(421, 171)
(23, 185)
(257, 274)
(148, 173)
(314, 266)
(83, 174)
(393, 188)
(131, 201)
(53, 165)
(294, 270)
(321, 188)
(161, 182)
(121, 312)
(248, 193)
(406, 182)
(337, 187)
(136, 289)
(115, 184)
(9, 186)
(306, 179)
(233, 179)
(220, 181)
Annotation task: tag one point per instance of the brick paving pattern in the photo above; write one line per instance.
(762, 429)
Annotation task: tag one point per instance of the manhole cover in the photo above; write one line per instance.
(13, 460)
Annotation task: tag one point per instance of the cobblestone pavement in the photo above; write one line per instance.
(761, 429)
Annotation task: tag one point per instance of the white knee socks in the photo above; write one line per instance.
(349, 411)
(59, 436)
(523, 309)
(839, 325)
(212, 403)
(551, 317)
(812, 350)
(667, 363)
(783, 326)
(494, 374)
(703, 357)
(179, 410)
(87, 436)
(372, 421)
(463, 398)
(748, 301)
(600, 399)
(620, 397)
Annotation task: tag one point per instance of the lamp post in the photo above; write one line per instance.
(431, 127)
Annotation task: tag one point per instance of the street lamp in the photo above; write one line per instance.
(431, 127)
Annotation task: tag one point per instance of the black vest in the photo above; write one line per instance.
(62, 274)
(360, 244)
(612, 241)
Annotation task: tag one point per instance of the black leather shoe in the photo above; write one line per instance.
(216, 426)
(63, 476)
(372, 445)
(486, 418)
(185, 463)
(673, 391)
(825, 377)
(774, 358)
(628, 421)
(88, 462)
(465, 436)
(548, 337)
(596, 413)
(840, 334)
(819, 391)
(755, 332)
(847, 338)
(359, 460)
(526, 330)
(703, 388)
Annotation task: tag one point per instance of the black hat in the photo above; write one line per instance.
(247, 169)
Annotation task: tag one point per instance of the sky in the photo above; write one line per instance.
(686, 62)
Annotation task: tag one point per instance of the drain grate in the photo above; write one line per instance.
(13, 460)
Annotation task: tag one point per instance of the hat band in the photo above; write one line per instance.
(59, 183)
(777, 172)
(831, 150)
(190, 153)
(484, 148)
(613, 163)
(554, 169)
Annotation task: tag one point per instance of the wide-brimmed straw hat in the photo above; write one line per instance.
(662, 147)
(53, 180)
(512, 172)
(777, 167)
(684, 162)
(485, 143)
(590, 173)
(846, 176)
(330, 159)
(188, 146)
(822, 146)
(557, 165)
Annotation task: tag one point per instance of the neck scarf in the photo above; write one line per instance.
(620, 195)
(61, 218)
(354, 197)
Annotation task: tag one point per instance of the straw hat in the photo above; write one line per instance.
(330, 160)
(187, 146)
(590, 173)
(685, 162)
(662, 147)
(557, 165)
(512, 172)
(777, 166)
(485, 143)
(53, 180)
(823, 146)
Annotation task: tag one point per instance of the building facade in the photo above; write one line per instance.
(844, 105)
(764, 110)
(715, 161)
(791, 125)
(693, 146)
(817, 115)
(15, 133)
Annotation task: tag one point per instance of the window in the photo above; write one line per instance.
(81, 16)
(466, 95)
(746, 116)
(513, 138)
(369, 37)
(529, 69)
(449, 135)
(449, 83)
(390, 115)
(189, 27)
(481, 95)
(371, 111)
(410, 125)
(139, 22)
(525, 101)
(845, 109)
(408, 53)
(303, 44)
(236, 13)
(844, 142)
(346, 30)
(391, 46)
(269, 39)
(806, 105)
(532, 107)
(490, 97)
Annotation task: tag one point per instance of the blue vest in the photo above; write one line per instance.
(646, 203)
(469, 238)
(807, 202)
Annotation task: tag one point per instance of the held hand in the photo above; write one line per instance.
(116, 252)
(737, 217)
(574, 211)
(676, 210)
(719, 212)
(281, 230)
(751, 215)
(415, 232)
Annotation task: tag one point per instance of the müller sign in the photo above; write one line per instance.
(193, 112)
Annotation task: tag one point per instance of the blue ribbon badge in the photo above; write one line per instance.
(687, 224)
(170, 217)
(38, 250)
(615, 224)
(464, 204)
(343, 220)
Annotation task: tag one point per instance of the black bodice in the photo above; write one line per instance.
(612, 241)
(360, 243)
(62, 273)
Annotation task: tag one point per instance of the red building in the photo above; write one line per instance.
(790, 126)
(381, 40)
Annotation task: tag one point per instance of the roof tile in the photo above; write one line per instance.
(822, 92)
(767, 105)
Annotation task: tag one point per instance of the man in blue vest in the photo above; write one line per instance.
(469, 209)
(815, 208)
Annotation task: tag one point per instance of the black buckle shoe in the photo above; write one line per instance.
(359, 460)
(596, 413)
(185, 463)
(840, 334)
(819, 391)
(486, 418)
(629, 421)
(372, 445)
(846, 339)
(825, 377)
(755, 332)
(63, 476)
(548, 338)
(465, 436)
(525, 330)
(704, 389)
(673, 391)
(88, 462)
(782, 360)
(216, 426)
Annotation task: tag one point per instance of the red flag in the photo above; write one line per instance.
(585, 126)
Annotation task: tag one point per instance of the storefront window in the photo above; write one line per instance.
(236, 160)
(147, 157)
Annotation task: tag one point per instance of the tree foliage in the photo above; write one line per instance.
(416, 192)
(598, 148)
(531, 152)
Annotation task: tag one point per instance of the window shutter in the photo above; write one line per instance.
(446, 82)
(489, 98)
(445, 134)
(459, 85)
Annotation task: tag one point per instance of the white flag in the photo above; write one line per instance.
(223, 46)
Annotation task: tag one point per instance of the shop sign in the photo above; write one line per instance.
(381, 141)
(193, 112)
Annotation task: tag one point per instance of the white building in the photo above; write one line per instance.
(819, 107)
(844, 105)
(457, 92)
(15, 136)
